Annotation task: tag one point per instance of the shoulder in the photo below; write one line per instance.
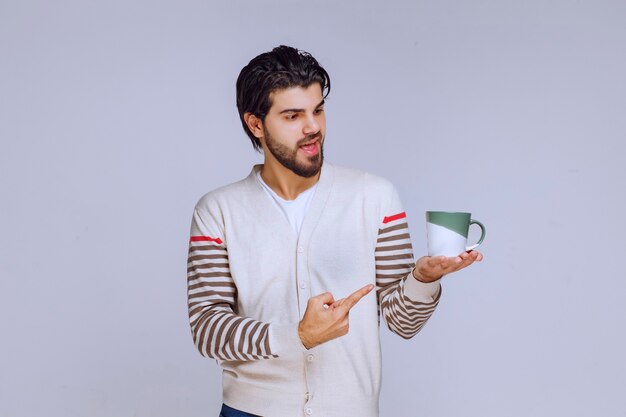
(357, 180)
(224, 195)
(374, 196)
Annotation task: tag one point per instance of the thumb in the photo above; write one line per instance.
(324, 298)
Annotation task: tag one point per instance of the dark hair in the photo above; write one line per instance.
(283, 67)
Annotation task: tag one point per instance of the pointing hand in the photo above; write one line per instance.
(326, 319)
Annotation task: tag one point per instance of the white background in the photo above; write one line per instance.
(116, 116)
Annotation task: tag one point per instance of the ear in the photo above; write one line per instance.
(254, 124)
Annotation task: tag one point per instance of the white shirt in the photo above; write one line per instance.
(294, 210)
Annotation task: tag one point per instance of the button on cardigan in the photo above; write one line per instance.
(250, 277)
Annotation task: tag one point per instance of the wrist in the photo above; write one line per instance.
(419, 277)
(303, 337)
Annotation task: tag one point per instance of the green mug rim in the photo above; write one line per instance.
(460, 222)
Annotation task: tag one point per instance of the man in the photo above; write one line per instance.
(282, 265)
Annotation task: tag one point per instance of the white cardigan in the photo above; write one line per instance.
(250, 277)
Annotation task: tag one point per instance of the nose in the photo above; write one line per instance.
(311, 125)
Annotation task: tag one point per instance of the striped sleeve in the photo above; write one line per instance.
(404, 303)
(218, 332)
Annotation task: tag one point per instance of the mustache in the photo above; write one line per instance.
(317, 135)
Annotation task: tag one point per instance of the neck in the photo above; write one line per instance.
(284, 182)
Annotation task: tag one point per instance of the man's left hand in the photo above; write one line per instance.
(432, 268)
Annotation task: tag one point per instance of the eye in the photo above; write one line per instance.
(291, 116)
(319, 111)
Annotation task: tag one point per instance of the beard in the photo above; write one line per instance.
(288, 157)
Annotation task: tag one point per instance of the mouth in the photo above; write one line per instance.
(310, 148)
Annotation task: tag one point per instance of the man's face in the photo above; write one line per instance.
(294, 129)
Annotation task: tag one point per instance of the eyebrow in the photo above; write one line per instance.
(321, 103)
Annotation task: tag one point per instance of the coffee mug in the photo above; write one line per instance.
(447, 232)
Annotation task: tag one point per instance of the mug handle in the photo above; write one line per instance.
(483, 232)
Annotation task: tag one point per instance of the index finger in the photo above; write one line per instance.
(349, 302)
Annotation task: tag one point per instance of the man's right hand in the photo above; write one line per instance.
(326, 319)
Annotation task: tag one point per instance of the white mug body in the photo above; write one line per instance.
(444, 242)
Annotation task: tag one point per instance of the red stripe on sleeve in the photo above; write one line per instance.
(205, 239)
(394, 217)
